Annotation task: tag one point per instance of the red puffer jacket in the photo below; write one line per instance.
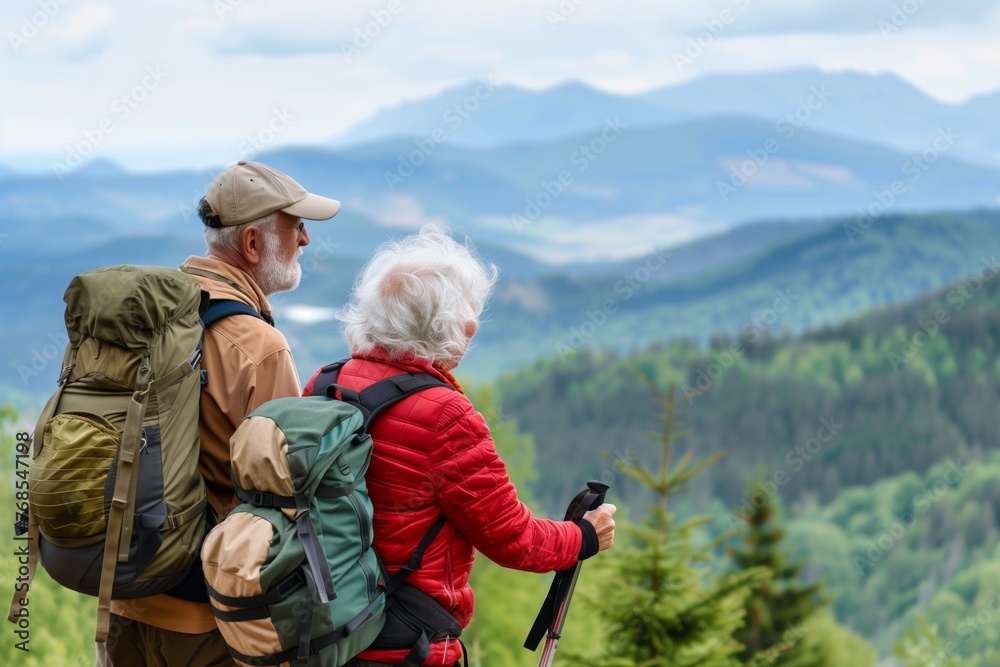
(433, 454)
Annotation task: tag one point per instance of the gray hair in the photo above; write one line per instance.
(228, 238)
(416, 296)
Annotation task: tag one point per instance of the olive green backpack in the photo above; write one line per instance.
(117, 506)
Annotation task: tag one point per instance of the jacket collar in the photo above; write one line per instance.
(411, 364)
(231, 283)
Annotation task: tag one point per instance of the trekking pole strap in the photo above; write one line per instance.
(545, 622)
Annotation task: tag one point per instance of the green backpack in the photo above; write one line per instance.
(116, 503)
(291, 572)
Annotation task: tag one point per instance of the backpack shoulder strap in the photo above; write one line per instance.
(416, 558)
(327, 377)
(375, 398)
(220, 308)
(378, 396)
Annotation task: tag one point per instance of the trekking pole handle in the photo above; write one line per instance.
(587, 500)
(601, 489)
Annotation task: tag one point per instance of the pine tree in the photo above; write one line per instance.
(657, 602)
(779, 609)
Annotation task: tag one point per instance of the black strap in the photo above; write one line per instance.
(263, 498)
(220, 308)
(327, 376)
(285, 587)
(314, 646)
(375, 398)
(213, 310)
(275, 659)
(267, 499)
(559, 589)
(420, 651)
(416, 558)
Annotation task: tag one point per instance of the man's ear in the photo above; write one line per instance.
(252, 245)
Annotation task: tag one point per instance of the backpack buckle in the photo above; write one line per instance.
(21, 525)
(195, 357)
(64, 375)
(290, 584)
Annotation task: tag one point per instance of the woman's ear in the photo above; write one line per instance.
(471, 328)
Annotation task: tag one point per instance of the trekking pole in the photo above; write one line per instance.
(552, 616)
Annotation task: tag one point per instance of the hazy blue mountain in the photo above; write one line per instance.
(652, 185)
(981, 138)
(568, 200)
(882, 109)
(483, 115)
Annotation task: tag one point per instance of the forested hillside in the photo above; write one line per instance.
(891, 392)
(879, 436)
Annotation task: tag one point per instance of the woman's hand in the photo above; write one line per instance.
(604, 524)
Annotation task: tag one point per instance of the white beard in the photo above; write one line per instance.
(273, 275)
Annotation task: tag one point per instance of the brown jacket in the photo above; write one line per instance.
(247, 362)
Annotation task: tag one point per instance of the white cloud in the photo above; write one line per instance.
(302, 314)
(86, 23)
(288, 55)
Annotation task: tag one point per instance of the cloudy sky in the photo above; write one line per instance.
(184, 82)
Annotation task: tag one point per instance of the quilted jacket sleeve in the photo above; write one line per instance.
(474, 490)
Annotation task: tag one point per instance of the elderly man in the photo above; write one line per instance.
(255, 234)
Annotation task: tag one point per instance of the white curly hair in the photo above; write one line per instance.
(418, 296)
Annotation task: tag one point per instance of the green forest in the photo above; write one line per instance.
(825, 499)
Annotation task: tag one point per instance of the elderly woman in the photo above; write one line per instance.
(414, 308)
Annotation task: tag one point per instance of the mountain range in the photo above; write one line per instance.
(879, 108)
(577, 195)
(650, 186)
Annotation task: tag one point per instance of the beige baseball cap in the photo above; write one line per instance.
(250, 190)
